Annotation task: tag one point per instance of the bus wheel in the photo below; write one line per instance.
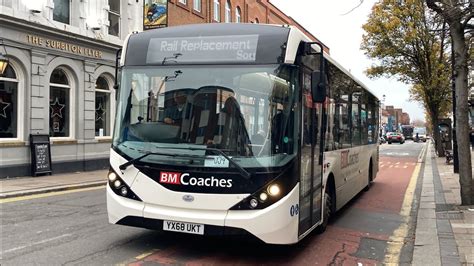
(327, 212)
(370, 178)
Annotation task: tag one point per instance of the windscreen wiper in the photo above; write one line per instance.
(244, 172)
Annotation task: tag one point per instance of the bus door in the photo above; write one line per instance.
(311, 164)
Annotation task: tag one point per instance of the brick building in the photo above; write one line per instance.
(230, 11)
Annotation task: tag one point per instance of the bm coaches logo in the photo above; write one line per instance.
(187, 180)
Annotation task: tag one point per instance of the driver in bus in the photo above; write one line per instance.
(174, 113)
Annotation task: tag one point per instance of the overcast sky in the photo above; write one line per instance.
(343, 34)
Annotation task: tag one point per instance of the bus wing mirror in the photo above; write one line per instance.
(318, 86)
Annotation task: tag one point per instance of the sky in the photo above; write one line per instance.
(325, 19)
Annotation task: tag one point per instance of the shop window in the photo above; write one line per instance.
(197, 5)
(8, 104)
(61, 11)
(238, 15)
(217, 8)
(102, 107)
(114, 17)
(228, 15)
(59, 102)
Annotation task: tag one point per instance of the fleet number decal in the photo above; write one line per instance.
(294, 210)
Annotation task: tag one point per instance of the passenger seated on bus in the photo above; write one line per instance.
(235, 139)
(258, 138)
(174, 113)
(281, 134)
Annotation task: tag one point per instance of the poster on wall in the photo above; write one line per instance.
(155, 14)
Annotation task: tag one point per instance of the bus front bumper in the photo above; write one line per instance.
(274, 224)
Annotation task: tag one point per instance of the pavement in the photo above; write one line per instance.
(23, 186)
(444, 233)
(444, 229)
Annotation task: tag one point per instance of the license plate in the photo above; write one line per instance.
(189, 228)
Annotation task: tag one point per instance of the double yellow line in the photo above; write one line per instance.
(48, 194)
(397, 239)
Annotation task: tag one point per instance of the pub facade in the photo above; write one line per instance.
(59, 79)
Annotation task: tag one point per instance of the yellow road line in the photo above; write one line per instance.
(146, 254)
(397, 239)
(137, 258)
(49, 194)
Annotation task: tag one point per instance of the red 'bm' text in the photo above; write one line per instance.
(170, 178)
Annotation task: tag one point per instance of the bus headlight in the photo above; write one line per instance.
(263, 196)
(112, 176)
(124, 191)
(119, 187)
(253, 203)
(268, 194)
(274, 190)
(117, 183)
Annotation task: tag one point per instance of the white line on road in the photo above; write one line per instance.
(36, 243)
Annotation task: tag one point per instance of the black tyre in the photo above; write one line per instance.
(370, 179)
(389, 142)
(328, 206)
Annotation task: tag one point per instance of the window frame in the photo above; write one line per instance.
(111, 95)
(197, 7)
(72, 105)
(238, 15)
(228, 12)
(114, 13)
(217, 11)
(21, 112)
(69, 15)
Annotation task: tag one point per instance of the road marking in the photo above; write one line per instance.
(49, 194)
(37, 243)
(397, 239)
(144, 255)
(137, 258)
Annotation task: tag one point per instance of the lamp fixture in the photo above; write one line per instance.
(3, 59)
(35, 11)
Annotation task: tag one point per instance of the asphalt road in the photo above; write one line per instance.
(72, 228)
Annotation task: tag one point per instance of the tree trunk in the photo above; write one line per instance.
(462, 111)
(436, 135)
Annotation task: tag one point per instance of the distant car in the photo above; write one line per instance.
(395, 137)
(421, 137)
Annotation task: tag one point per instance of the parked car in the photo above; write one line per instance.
(395, 137)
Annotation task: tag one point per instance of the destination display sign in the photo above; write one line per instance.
(233, 48)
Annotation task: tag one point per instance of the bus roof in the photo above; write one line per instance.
(268, 43)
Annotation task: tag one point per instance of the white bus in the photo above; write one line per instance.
(225, 129)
